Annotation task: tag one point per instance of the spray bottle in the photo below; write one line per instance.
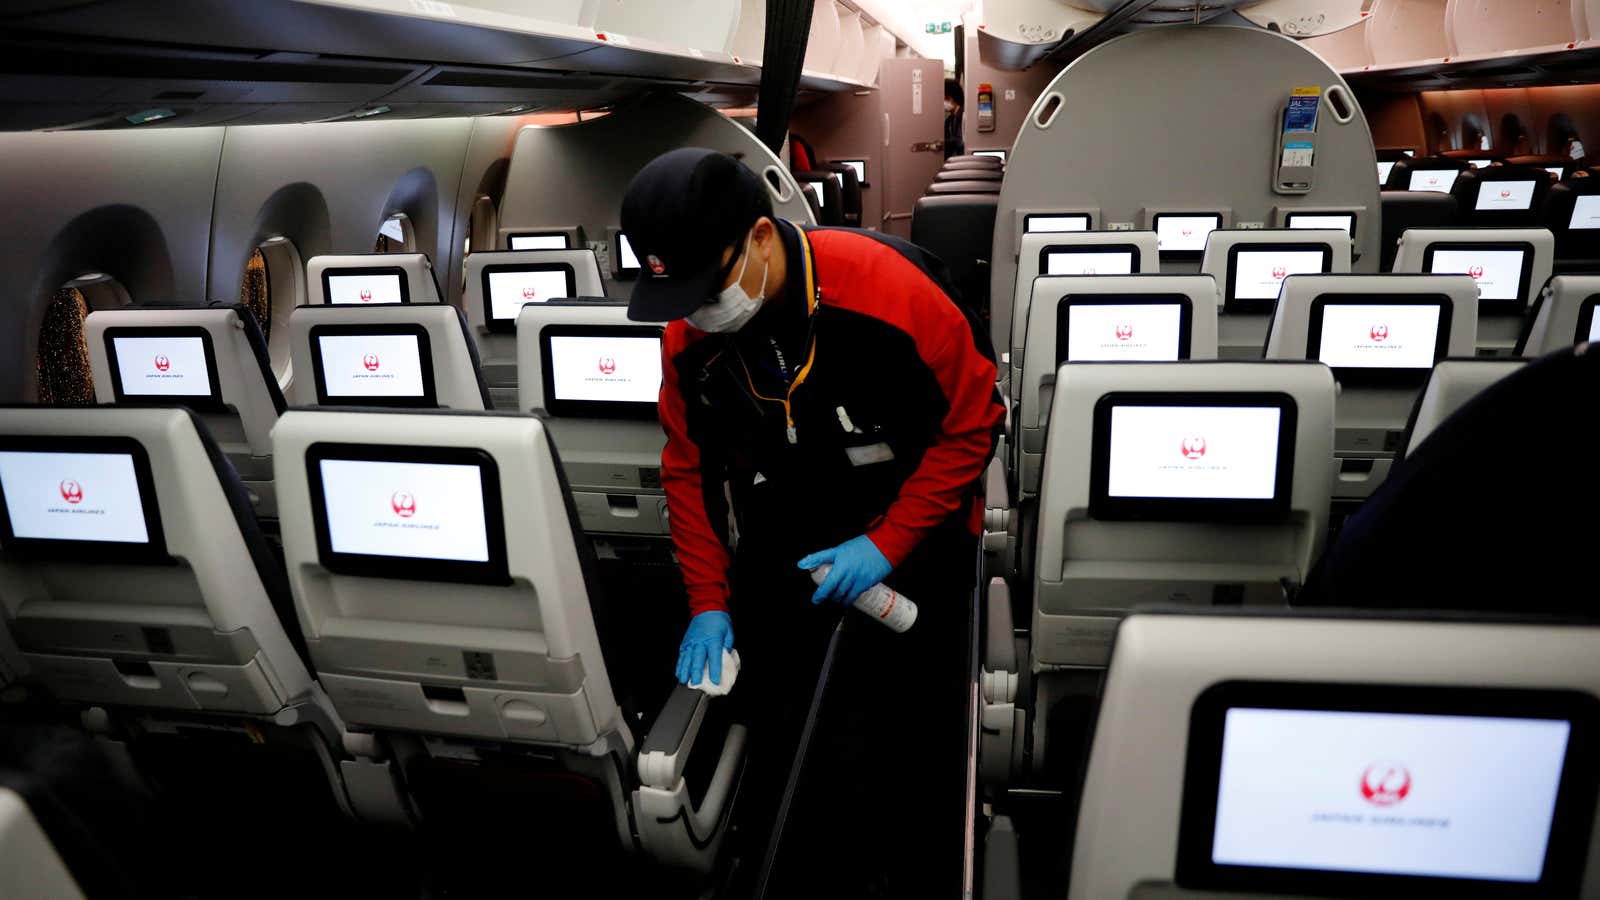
(880, 601)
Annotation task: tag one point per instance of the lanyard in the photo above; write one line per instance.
(814, 302)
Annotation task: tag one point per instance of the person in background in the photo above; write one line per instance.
(954, 143)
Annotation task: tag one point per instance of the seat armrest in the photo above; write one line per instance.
(665, 752)
(999, 645)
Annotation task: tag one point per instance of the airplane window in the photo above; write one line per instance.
(272, 286)
(396, 236)
(64, 378)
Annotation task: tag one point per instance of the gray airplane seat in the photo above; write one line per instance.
(1404, 210)
(1277, 755)
(1565, 314)
(447, 598)
(1103, 318)
(1511, 266)
(1572, 213)
(850, 191)
(1198, 483)
(142, 593)
(1250, 267)
(1425, 173)
(1063, 253)
(499, 283)
(964, 186)
(594, 377)
(360, 278)
(1451, 384)
(969, 174)
(968, 159)
(824, 193)
(1381, 335)
(211, 359)
(416, 355)
(960, 231)
(29, 864)
(1502, 196)
(1514, 453)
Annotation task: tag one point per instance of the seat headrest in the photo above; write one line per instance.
(371, 278)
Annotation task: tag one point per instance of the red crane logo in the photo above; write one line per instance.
(1385, 784)
(1194, 447)
(370, 361)
(405, 505)
(1380, 333)
(72, 492)
(1124, 332)
(163, 363)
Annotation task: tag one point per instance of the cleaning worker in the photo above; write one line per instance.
(830, 383)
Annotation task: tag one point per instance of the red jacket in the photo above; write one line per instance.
(901, 370)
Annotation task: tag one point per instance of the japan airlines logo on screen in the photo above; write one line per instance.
(1279, 273)
(528, 293)
(72, 492)
(656, 265)
(365, 295)
(608, 365)
(163, 363)
(1379, 333)
(1505, 195)
(1124, 332)
(1385, 783)
(1431, 181)
(1187, 232)
(1194, 447)
(370, 362)
(1475, 271)
(405, 505)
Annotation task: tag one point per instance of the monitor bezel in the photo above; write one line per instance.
(566, 241)
(430, 392)
(618, 270)
(1396, 377)
(342, 271)
(494, 571)
(509, 326)
(152, 552)
(1104, 507)
(1289, 217)
(1165, 255)
(1027, 222)
(1483, 184)
(1065, 303)
(591, 409)
(1586, 316)
(209, 403)
(1411, 173)
(1046, 252)
(1570, 824)
(1486, 306)
(1260, 306)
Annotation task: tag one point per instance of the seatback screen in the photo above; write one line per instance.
(860, 168)
(1089, 261)
(1360, 789)
(1345, 222)
(64, 497)
(1499, 272)
(549, 241)
(601, 371)
(1185, 234)
(996, 154)
(73, 497)
(1405, 334)
(1384, 168)
(1258, 274)
(1206, 456)
(506, 288)
(386, 287)
(1556, 171)
(1508, 196)
(408, 512)
(818, 193)
(1585, 213)
(171, 366)
(384, 365)
(1099, 328)
(1480, 163)
(1438, 180)
(628, 261)
(1035, 224)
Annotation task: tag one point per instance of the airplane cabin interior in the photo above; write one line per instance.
(353, 502)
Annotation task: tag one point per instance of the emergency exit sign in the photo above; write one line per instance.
(938, 28)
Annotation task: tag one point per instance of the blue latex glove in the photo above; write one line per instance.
(709, 634)
(858, 564)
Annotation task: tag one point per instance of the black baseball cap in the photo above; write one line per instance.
(680, 212)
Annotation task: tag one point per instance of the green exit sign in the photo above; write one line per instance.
(938, 28)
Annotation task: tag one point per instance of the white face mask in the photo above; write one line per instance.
(949, 107)
(733, 308)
